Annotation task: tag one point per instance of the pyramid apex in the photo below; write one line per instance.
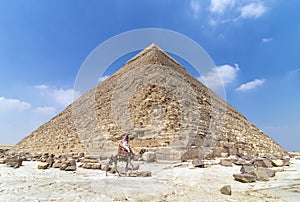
(153, 54)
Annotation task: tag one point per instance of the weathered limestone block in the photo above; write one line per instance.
(261, 175)
(270, 172)
(14, 162)
(247, 169)
(245, 178)
(226, 162)
(43, 166)
(262, 162)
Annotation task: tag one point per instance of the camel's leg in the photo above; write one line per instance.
(116, 167)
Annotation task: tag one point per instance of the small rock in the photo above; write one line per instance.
(245, 178)
(226, 162)
(198, 163)
(71, 166)
(144, 174)
(90, 161)
(226, 190)
(247, 169)
(2, 161)
(43, 166)
(149, 156)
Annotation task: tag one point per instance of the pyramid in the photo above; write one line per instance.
(161, 107)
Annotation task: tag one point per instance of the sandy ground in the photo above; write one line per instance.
(168, 183)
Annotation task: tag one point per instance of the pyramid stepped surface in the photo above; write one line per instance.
(162, 108)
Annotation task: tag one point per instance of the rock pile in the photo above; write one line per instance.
(259, 169)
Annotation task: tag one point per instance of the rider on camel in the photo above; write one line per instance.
(125, 141)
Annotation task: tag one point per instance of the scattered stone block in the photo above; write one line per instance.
(2, 161)
(240, 162)
(43, 166)
(226, 190)
(262, 162)
(14, 162)
(149, 156)
(270, 172)
(245, 178)
(71, 166)
(278, 163)
(95, 166)
(144, 174)
(57, 164)
(226, 162)
(198, 163)
(247, 169)
(261, 175)
(90, 161)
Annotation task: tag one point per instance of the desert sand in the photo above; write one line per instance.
(169, 182)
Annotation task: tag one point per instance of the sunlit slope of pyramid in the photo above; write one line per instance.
(162, 107)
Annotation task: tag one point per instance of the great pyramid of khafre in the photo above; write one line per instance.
(162, 108)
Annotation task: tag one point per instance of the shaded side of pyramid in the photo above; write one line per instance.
(162, 108)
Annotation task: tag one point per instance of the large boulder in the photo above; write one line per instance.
(149, 156)
(261, 175)
(270, 172)
(14, 162)
(262, 162)
(226, 190)
(247, 169)
(245, 178)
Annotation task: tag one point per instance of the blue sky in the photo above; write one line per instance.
(254, 44)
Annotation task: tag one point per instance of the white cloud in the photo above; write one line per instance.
(41, 87)
(13, 104)
(266, 40)
(251, 85)
(253, 10)
(45, 110)
(293, 73)
(195, 6)
(103, 78)
(61, 96)
(219, 6)
(65, 97)
(220, 76)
